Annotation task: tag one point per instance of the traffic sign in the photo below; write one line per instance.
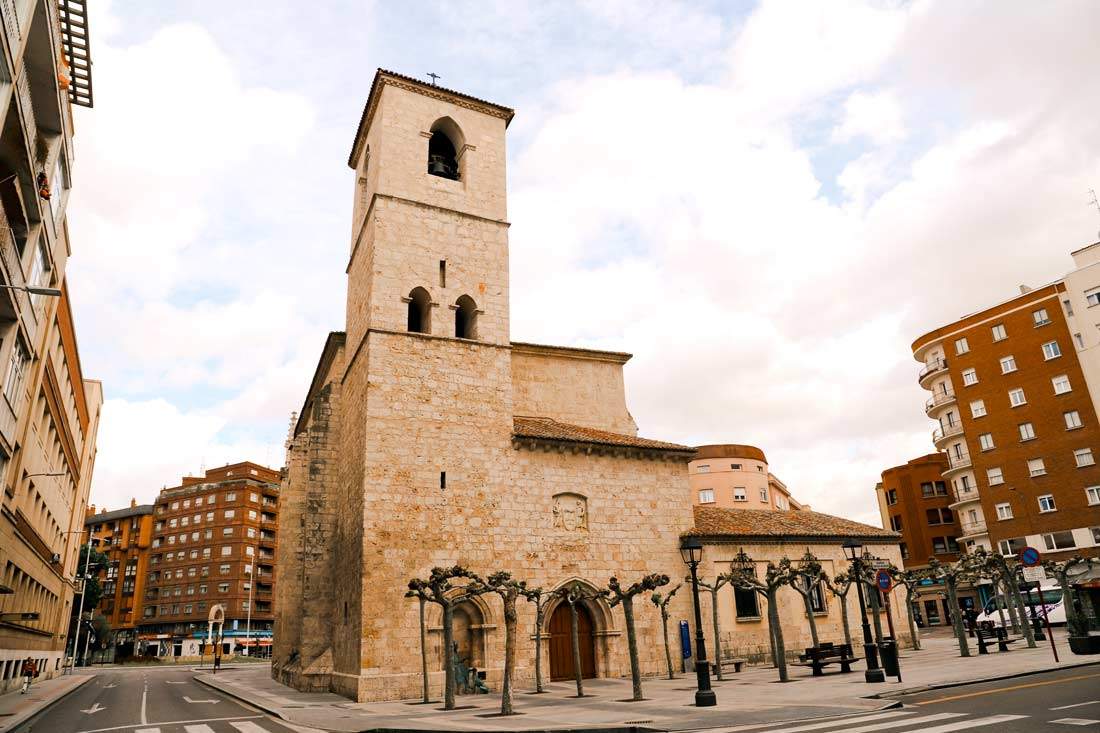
(1035, 574)
(1029, 557)
(884, 581)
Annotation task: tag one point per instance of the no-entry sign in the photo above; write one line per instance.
(884, 581)
(1029, 557)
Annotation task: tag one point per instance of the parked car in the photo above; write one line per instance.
(1052, 602)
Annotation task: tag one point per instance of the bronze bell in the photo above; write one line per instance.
(437, 166)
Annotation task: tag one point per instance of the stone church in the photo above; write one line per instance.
(428, 437)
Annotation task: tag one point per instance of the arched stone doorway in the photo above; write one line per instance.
(469, 634)
(561, 644)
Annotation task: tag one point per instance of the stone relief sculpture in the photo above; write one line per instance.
(570, 512)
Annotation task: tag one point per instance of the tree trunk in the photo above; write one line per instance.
(506, 693)
(424, 650)
(1017, 597)
(1067, 601)
(910, 596)
(810, 616)
(448, 663)
(717, 638)
(576, 642)
(540, 612)
(956, 616)
(771, 636)
(844, 617)
(668, 651)
(632, 645)
(872, 593)
(777, 630)
(1010, 604)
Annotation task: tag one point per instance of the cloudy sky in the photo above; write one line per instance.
(764, 202)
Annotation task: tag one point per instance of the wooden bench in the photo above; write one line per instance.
(996, 634)
(824, 654)
(725, 664)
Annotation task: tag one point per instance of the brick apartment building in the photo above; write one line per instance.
(914, 500)
(1017, 419)
(124, 536)
(213, 542)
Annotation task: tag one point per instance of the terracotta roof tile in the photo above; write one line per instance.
(713, 521)
(549, 429)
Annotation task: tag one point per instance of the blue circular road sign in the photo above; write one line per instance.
(1029, 557)
(884, 581)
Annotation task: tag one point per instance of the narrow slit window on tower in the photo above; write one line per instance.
(420, 309)
(442, 479)
(443, 273)
(465, 318)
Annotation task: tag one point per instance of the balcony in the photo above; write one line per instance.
(957, 462)
(931, 369)
(938, 400)
(946, 431)
(973, 529)
(964, 497)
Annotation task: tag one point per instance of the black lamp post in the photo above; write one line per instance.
(873, 673)
(691, 550)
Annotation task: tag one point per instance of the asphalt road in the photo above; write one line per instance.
(152, 700)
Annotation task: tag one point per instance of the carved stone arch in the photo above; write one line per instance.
(602, 616)
(419, 316)
(474, 623)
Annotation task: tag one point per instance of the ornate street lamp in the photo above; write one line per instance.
(852, 550)
(691, 550)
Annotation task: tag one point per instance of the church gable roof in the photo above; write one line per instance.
(545, 429)
(726, 524)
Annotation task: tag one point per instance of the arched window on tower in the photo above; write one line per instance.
(444, 147)
(420, 311)
(465, 318)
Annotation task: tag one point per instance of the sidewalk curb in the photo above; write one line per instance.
(20, 718)
(206, 679)
(962, 683)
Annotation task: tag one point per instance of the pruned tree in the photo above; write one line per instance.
(617, 595)
(713, 589)
(540, 598)
(421, 595)
(662, 602)
(1075, 622)
(839, 586)
(573, 594)
(952, 574)
(509, 590)
(440, 589)
(743, 575)
(910, 580)
(997, 565)
(802, 577)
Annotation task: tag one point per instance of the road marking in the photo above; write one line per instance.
(95, 708)
(144, 697)
(171, 722)
(107, 687)
(248, 726)
(895, 723)
(212, 702)
(199, 729)
(1075, 721)
(1008, 689)
(974, 723)
(833, 720)
(176, 682)
(1076, 705)
(147, 730)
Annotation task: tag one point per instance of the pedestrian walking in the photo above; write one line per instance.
(29, 672)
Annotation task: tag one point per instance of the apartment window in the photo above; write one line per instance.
(202, 590)
(1095, 535)
(705, 468)
(1051, 350)
(939, 546)
(211, 499)
(999, 333)
(173, 523)
(1068, 306)
(17, 369)
(706, 496)
(1061, 384)
(227, 550)
(186, 503)
(227, 531)
(1004, 511)
(941, 488)
(252, 514)
(1016, 397)
(1008, 364)
(939, 516)
(970, 376)
(175, 505)
(735, 466)
(1059, 541)
(1092, 493)
(250, 550)
(250, 531)
(961, 346)
(223, 569)
(210, 516)
(198, 501)
(1036, 467)
(739, 494)
(986, 441)
(895, 523)
(229, 513)
(764, 495)
(231, 496)
(223, 587)
(253, 497)
(994, 476)
(1040, 317)
(1011, 547)
(1092, 297)
(204, 571)
(183, 538)
(977, 408)
(926, 490)
(1080, 341)
(1027, 431)
(1083, 456)
(904, 550)
(745, 602)
(209, 534)
(1073, 419)
(1046, 503)
(952, 546)
(964, 484)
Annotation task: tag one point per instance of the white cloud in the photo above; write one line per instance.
(876, 116)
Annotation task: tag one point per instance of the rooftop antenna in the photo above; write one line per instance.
(1094, 202)
(434, 77)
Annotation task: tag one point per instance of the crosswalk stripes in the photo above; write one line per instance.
(201, 728)
(247, 726)
(243, 726)
(895, 721)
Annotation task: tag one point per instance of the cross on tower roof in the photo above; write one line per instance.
(434, 77)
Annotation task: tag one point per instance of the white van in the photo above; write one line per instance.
(1052, 602)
